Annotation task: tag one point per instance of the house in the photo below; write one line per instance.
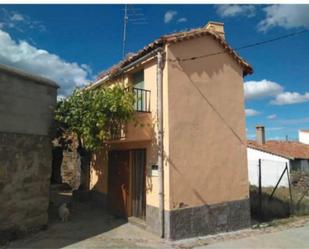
(181, 172)
(26, 113)
(303, 136)
(275, 156)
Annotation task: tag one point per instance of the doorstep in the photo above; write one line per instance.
(137, 222)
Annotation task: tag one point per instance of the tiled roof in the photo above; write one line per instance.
(176, 37)
(287, 149)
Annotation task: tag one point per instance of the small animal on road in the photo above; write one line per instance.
(64, 212)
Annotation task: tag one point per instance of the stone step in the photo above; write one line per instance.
(137, 222)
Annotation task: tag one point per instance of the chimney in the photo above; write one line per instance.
(216, 27)
(260, 134)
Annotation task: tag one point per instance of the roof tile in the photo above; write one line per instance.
(289, 149)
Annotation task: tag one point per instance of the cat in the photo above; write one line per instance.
(64, 212)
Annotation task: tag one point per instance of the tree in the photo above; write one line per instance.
(95, 116)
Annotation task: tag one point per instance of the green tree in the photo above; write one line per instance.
(95, 116)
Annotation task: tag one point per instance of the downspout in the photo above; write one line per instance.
(157, 52)
(160, 140)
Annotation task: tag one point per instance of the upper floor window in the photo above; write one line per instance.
(142, 96)
(138, 79)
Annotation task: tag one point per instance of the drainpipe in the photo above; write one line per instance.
(160, 140)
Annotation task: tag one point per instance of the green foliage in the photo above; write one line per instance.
(96, 115)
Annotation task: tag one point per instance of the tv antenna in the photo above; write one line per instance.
(136, 17)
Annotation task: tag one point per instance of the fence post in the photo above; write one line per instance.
(260, 189)
(290, 189)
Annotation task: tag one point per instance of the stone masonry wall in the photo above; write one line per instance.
(70, 169)
(25, 169)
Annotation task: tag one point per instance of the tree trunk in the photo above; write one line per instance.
(85, 158)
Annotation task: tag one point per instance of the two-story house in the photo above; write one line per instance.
(181, 171)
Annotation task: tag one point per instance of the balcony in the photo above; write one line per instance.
(142, 99)
(141, 128)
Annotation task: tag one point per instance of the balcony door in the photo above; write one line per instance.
(138, 87)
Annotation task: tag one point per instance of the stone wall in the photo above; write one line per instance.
(70, 168)
(25, 168)
(201, 220)
(27, 105)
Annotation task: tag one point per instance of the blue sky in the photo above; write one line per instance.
(73, 43)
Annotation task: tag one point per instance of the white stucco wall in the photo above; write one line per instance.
(303, 136)
(272, 167)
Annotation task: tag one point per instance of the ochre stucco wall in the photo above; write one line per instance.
(207, 149)
(139, 137)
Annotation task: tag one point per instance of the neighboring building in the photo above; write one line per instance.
(303, 136)
(26, 114)
(275, 156)
(196, 93)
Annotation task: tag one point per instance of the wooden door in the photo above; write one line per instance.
(138, 183)
(119, 201)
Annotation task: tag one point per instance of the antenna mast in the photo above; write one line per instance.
(125, 20)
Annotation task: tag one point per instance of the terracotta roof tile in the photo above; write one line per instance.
(286, 149)
(176, 37)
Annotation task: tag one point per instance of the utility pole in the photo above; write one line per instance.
(125, 21)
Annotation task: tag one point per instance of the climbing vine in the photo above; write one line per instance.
(95, 115)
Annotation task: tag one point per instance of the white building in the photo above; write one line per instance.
(303, 136)
(274, 156)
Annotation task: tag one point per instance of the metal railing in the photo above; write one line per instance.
(142, 99)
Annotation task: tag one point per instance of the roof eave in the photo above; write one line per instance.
(269, 152)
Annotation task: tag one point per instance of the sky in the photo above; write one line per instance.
(72, 44)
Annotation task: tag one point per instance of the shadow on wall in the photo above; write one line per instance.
(99, 164)
(278, 207)
(86, 221)
(186, 182)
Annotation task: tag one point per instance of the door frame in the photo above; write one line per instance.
(130, 179)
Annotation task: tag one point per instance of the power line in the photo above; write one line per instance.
(243, 47)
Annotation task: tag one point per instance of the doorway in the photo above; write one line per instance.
(138, 183)
(126, 183)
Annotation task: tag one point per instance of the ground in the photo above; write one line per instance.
(91, 227)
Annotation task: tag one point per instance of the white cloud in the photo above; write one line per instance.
(169, 16)
(287, 98)
(232, 10)
(274, 128)
(251, 112)
(17, 21)
(17, 17)
(272, 116)
(286, 16)
(183, 19)
(251, 136)
(261, 89)
(22, 55)
(294, 121)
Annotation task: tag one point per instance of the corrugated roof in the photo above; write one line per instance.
(177, 37)
(287, 149)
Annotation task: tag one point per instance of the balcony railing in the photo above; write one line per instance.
(142, 99)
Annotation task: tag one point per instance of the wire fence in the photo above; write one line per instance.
(266, 178)
(270, 172)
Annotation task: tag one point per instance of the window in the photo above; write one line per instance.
(138, 79)
(141, 95)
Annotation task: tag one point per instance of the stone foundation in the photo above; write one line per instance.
(202, 220)
(25, 169)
